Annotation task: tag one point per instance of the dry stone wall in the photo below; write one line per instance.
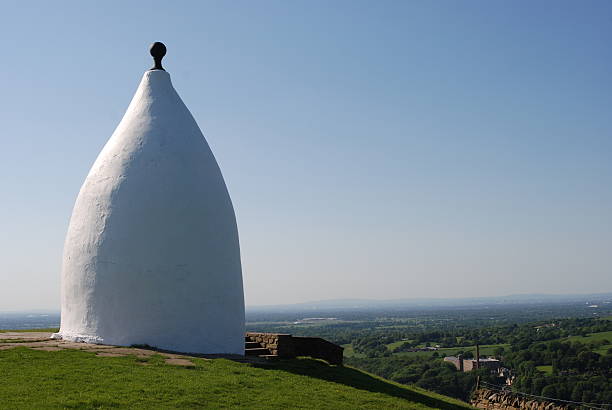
(277, 343)
(287, 346)
(498, 400)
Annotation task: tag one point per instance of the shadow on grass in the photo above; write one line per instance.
(358, 380)
(233, 357)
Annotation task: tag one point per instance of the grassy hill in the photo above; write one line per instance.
(594, 337)
(78, 379)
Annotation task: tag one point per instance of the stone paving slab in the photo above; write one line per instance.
(31, 344)
(21, 340)
(89, 346)
(25, 335)
(79, 346)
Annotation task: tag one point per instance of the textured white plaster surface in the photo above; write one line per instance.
(152, 253)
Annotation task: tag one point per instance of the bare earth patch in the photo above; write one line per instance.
(43, 341)
(179, 362)
(110, 354)
(48, 348)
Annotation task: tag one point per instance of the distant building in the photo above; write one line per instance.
(489, 363)
(466, 365)
(456, 361)
(538, 328)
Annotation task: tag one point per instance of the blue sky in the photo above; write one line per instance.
(372, 149)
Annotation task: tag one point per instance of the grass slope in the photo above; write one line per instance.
(76, 379)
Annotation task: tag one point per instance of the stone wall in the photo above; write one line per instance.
(287, 346)
(277, 343)
(498, 400)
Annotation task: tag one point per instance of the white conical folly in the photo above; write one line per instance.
(152, 254)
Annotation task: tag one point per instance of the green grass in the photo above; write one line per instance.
(547, 369)
(593, 337)
(77, 379)
(603, 350)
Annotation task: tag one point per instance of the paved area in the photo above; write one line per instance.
(43, 341)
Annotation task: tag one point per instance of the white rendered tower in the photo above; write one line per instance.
(152, 254)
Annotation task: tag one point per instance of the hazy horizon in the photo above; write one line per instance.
(372, 150)
(514, 298)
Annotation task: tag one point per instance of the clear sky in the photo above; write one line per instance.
(372, 149)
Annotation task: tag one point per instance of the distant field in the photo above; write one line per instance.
(393, 345)
(487, 350)
(350, 352)
(77, 379)
(547, 369)
(594, 337)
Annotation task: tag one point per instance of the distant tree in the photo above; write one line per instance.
(498, 352)
(550, 391)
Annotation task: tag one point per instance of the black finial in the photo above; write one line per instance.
(158, 51)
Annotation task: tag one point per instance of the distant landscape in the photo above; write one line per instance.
(426, 303)
(549, 346)
(47, 318)
(554, 346)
